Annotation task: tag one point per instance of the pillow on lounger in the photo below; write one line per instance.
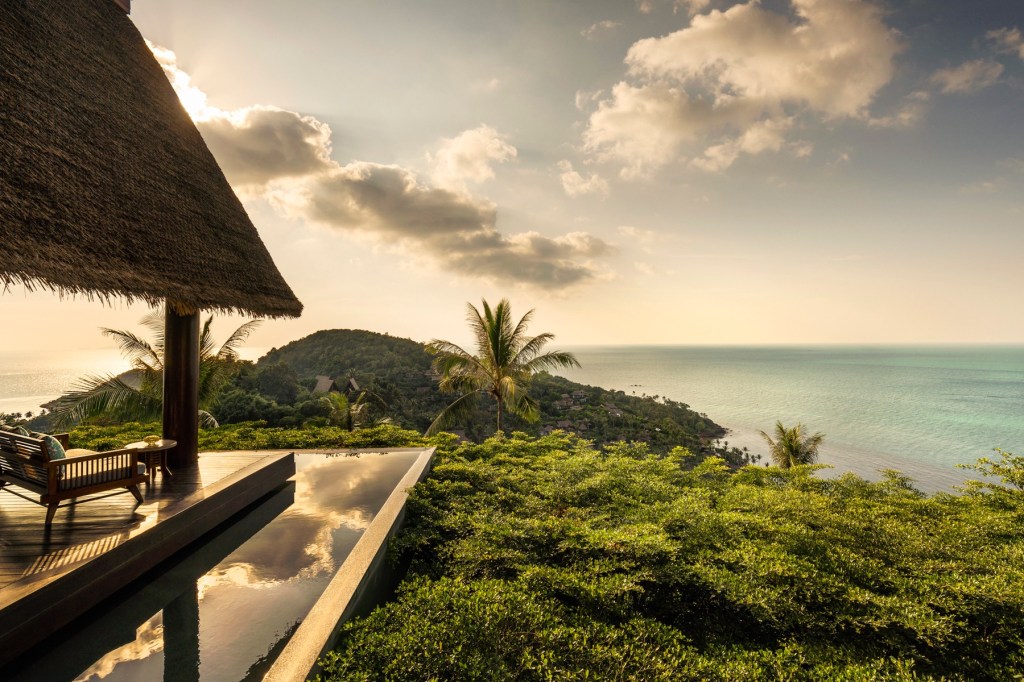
(53, 448)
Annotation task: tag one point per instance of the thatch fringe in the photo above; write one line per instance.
(106, 187)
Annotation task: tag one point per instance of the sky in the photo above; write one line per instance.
(639, 172)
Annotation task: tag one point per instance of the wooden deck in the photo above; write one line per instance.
(96, 547)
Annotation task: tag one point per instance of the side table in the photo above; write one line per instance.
(154, 455)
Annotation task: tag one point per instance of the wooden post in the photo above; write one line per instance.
(181, 386)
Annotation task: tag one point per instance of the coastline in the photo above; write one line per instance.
(842, 458)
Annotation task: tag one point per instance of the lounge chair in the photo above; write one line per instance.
(37, 464)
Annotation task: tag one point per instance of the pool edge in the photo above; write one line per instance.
(363, 569)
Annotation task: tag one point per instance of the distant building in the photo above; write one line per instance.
(325, 384)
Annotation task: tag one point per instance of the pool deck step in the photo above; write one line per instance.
(98, 547)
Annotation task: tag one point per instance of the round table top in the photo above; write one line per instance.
(162, 444)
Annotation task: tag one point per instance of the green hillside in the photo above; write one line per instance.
(398, 371)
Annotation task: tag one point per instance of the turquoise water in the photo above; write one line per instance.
(918, 409)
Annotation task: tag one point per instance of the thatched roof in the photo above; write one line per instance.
(324, 384)
(106, 187)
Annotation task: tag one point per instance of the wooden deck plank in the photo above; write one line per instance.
(97, 547)
(84, 530)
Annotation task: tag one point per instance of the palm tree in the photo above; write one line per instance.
(353, 414)
(138, 395)
(506, 358)
(793, 446)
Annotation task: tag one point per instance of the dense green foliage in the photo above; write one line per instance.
(258, 436)
(546, 559)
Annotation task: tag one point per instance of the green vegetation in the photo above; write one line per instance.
(544, 558)
(792, 446)
(139, 394)
(258, 436)
(506, 360)
(400, 384)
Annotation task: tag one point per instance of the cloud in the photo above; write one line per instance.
(257, 144)
(909, 112)
(982, 187)
(1008, 40)
(643, 268)
(745, 69)
(467, 157)
(692, 6)
(487, 84)
(584, 98)
(1013, 164)
(447, 227)
(576, 185)
(968, 77)
(595, 31)
(285, 158)
(767, 135)
(834, 59)
(640, 235)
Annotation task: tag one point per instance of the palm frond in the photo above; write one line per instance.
(137, 350)
(206, 344)
(229, 349)
(520, 331)
(207, 421)
(478, 324)
(96, 395)
(526, 407)
(155, 321)
(460, 408)
(531, 347)
(554, 360)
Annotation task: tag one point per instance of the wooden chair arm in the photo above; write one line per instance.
(109, 454)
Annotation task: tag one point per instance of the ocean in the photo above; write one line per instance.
(27, 380)
(920, 410)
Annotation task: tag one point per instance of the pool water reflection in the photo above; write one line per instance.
(225, 610)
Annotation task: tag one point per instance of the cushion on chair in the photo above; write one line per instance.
(141, 468)
(54, 449)
(20, 430)
(78, 452)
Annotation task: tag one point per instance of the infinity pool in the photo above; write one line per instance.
(227, 608)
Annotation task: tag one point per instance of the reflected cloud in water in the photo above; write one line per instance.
(250, 597)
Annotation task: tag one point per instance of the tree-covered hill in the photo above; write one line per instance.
(398, 371)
